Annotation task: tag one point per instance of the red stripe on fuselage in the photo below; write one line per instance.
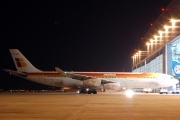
(98, 74)
(117, 74)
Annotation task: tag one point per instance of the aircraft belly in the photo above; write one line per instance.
(58, 82)
(139, 83)
(54, 81)
(72, 82)
(128, 83)
(143, 84)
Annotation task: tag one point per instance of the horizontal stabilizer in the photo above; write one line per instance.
(20, 74)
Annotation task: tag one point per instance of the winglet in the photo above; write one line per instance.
(60, 71)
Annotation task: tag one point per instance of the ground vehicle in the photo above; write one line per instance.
(163, 91)
(92, 91)
(83, 91)
(87, 91)
(176, 92)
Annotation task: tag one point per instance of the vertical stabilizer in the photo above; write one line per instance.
(21, 63)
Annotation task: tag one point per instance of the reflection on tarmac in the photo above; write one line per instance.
(72, 106)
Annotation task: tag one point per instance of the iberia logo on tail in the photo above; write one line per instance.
(20, 62)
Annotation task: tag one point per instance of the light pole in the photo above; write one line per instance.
(157, 41)
(135, 60)
(137, 57)
(148, 44)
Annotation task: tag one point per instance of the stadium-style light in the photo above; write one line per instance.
(173, 21)
(167, 28)
(158, 39)
(161, 33)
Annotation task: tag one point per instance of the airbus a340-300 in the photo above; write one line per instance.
(109, 80)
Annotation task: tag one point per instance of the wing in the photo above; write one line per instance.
(74, 76)
(82, 77)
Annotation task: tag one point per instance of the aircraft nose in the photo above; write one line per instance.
(176, 81)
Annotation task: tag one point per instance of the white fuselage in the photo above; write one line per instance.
(55, 79)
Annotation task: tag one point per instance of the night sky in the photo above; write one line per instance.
(86, 35)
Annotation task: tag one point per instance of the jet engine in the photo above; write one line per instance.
(112, 86)
(92, 82)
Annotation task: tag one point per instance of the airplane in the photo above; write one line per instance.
(92, 80)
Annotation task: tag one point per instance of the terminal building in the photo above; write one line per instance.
(160, 52)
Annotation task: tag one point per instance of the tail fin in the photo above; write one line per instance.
(21, 63)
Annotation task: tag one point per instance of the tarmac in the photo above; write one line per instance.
(101, 106)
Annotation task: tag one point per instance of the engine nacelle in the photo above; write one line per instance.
(92, 82)
(112, 86)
